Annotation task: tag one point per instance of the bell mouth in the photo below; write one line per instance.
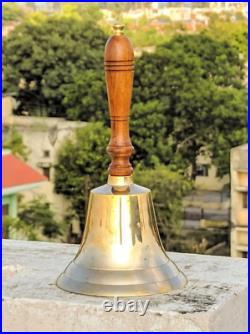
(121, 252)
(121, 283)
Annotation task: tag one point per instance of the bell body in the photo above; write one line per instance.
(121, 253)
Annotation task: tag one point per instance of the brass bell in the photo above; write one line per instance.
(121, 253)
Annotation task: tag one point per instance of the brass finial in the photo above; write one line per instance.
(118, 29)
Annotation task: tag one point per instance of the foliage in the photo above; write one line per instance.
(82, 165)
(235, 32)
(188, 95)
(85, 12)
(15, 225)
(230, 126)
(89, 106)
(168, 189)
(149, 129)
(44, 58)
(36, 18)
(7, 222)
(11, 12)
(142, 33)
(151, 34)
(36, 218)
(14, 142)
(22, 230)
(195, 84)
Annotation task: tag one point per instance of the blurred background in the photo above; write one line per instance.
(188, 118)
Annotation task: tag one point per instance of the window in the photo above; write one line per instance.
(244, 255)
(217, 173)
(244, 200)
(46, 172)
(5, 210)
(46, 153)
(202, 169)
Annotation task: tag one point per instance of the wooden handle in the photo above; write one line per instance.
(119, 73)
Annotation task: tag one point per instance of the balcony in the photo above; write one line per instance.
(241, 217)
(243, 179)
(241, 236)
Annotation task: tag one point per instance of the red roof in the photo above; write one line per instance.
(15, 172)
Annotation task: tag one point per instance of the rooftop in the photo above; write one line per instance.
(16, 172)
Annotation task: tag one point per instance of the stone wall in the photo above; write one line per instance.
(215, 298)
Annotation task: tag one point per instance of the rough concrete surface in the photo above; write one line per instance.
(215, 298)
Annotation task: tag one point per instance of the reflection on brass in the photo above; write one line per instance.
(118, 29)
(121, 253)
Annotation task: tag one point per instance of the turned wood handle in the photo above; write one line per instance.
(119, 73)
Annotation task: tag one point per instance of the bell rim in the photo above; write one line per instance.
(166, 286)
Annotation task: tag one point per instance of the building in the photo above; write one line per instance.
(43, 137)
(239, 201)
(228, 6)
(17, 177)
(206, 211)
(175, 14)
(207, 175)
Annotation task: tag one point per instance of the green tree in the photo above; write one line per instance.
(86, 12)
(90, 106)
(230, 122)
(43, 59)
(11, 12)
(234, 32)
(14, 142)
(82, 164)
(7, 223)
(195, 84)
(168, 189)
(36, 218)
(149, 131)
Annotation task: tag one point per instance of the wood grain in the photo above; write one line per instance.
(119, 73)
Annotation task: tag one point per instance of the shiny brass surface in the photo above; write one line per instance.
(121, 253)
(120, 183)
(118, 29)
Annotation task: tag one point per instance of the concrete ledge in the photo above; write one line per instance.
(214, 300)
